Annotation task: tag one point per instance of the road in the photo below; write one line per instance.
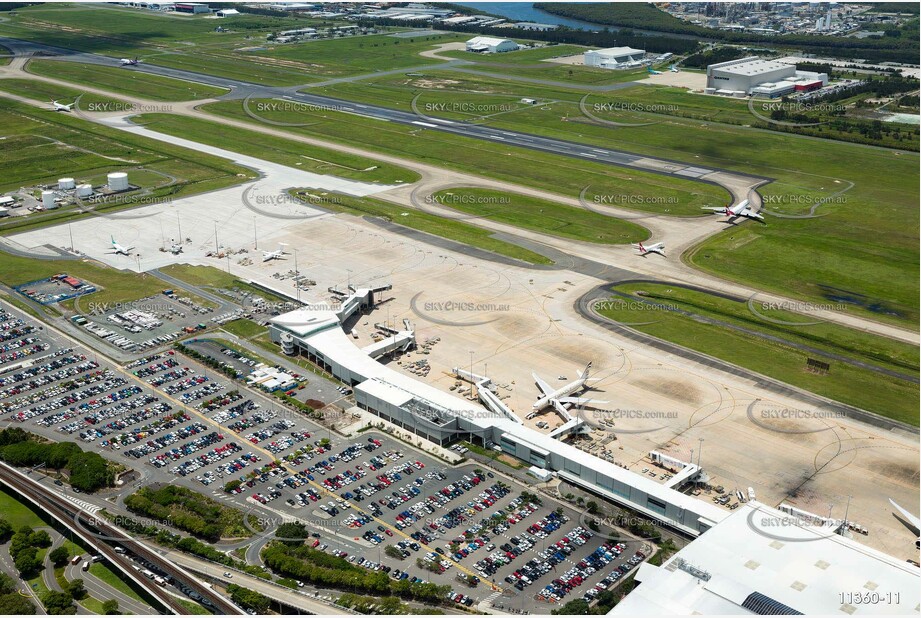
(66, 512)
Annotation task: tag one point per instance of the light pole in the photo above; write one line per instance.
(472, 380)
(216, 249)
(255, 235)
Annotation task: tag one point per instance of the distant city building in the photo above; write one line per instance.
(490, 45)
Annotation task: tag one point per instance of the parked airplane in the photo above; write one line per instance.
(734, 212)
(673, 68)
(559, 399)
(274, 255)
(659, 248)
(912, 519)
(60, 107)
(118, 249)
(652, 71)
(128, 62)
(175, 248)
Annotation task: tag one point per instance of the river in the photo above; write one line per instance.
(525, 11)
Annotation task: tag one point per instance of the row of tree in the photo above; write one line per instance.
(87, 471)
(321, 569)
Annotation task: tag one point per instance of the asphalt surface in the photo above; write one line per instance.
(244, 90)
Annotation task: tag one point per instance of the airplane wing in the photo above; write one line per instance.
(913, 519)
(561, 409)
(579, 401)
(713, 208)
(543, 386)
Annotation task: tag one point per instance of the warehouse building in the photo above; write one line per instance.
(614, 57)
(753, 75)
(191, 7)
(760, 560)
(490, 45)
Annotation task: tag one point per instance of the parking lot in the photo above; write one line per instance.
(175, 421)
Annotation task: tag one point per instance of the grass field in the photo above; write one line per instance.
(17, 513)
(542, 170)
(109, 577)
(243, 328)
(45, 92)
(194, 608)
(726, 329)
(214, 278)
(872, 258)
(542, 216)
(279, 150)
(41, 146)
(432, 224)
(125, 81)
(358, 54)
(116, 286)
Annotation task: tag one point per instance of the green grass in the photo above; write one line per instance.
(278, 150)
(45, 92)
(211, 277)
(17, 513)
(113, 580)
(125, 81)
(243, 328)
(116, 286)
(554, 173)
(91, 604)
(542, 216)
(358, 54)
(432, 224)
(193, 607)
(40, 146)
(742, 338)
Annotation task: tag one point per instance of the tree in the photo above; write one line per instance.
(75, 589)
(14, 604)
(249, 599)
(57, 603)
(27, 563)
(591, 506)
(110, 607)
(6, 530)
(59, 556)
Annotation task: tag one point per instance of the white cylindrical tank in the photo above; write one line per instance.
(48, 199)
(84, 190)
(118, 181)
(66, 183)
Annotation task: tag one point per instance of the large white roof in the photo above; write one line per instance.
(759, 553)
(487, 40)
(617, 51)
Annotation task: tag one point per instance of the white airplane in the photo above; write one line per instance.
(734, 212)
(673, 68)
(60, 107)
(175, 248)
(559, 399)
(652, 71)
(117, 249)
(912, 519)
(659, 248)
(274, 255)
(128, 62)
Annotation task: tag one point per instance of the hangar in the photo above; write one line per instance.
(490, 45)
(754, 75)
(614, 57)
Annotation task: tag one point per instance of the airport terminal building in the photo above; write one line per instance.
(443, 418)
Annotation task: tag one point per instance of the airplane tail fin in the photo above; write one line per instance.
(584, 375)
